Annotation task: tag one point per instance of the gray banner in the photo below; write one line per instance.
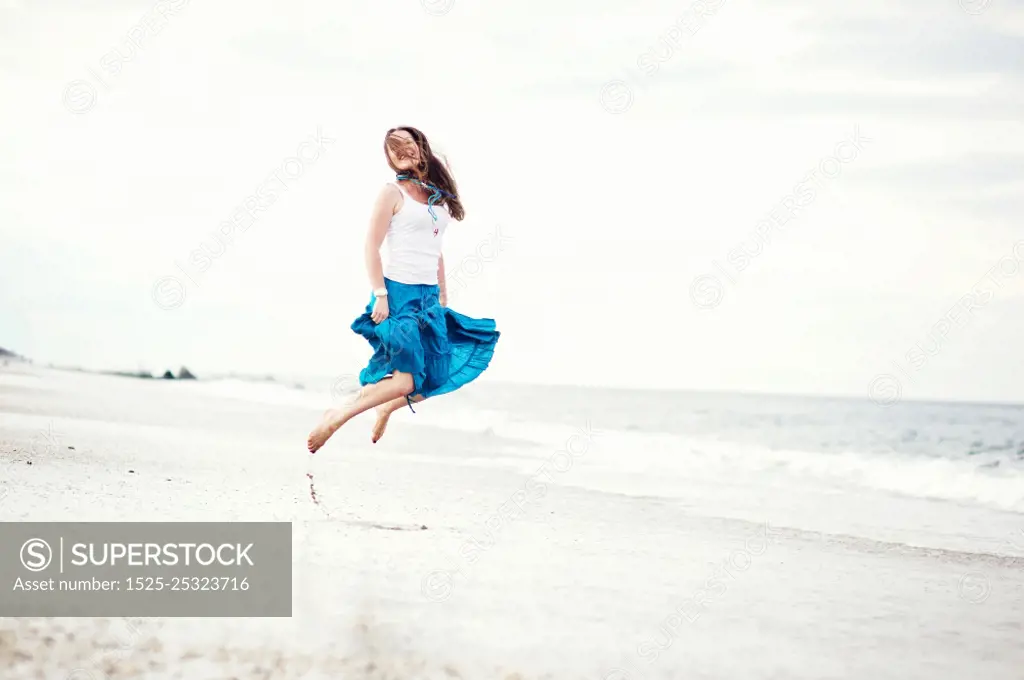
(146, 569)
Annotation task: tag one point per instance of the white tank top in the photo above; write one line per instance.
(414, 242)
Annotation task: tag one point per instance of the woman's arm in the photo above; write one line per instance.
(383, 209)
(441, 283)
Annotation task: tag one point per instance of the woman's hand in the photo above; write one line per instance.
(442, 298)
(380, 309)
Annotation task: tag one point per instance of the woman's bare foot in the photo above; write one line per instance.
(383, 414)
(333, 419)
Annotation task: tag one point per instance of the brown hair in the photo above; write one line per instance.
(431, 169)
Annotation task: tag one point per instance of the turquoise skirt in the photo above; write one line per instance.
(442, 349)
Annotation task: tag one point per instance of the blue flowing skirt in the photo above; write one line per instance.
(442, 349)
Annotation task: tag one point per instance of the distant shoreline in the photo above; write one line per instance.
(7, 355)
(183, 374)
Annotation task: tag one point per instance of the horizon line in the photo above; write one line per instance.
(748, 392)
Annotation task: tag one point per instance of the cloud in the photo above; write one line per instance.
(925, 49)
(960, 172)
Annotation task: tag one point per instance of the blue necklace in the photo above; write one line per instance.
(435, 194)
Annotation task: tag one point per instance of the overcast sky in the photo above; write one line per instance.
(621, 151)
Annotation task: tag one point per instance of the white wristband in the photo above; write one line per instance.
(380, 292)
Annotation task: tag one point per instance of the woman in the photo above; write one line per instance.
(420, 347)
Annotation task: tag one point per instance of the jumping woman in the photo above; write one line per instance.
(420, 347)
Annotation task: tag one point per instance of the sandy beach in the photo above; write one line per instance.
(459, 552)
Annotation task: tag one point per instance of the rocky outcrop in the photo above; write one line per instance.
(183, 374)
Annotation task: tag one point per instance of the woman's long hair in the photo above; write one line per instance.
(431, 169)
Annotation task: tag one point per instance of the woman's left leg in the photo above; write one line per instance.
(384, 412)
